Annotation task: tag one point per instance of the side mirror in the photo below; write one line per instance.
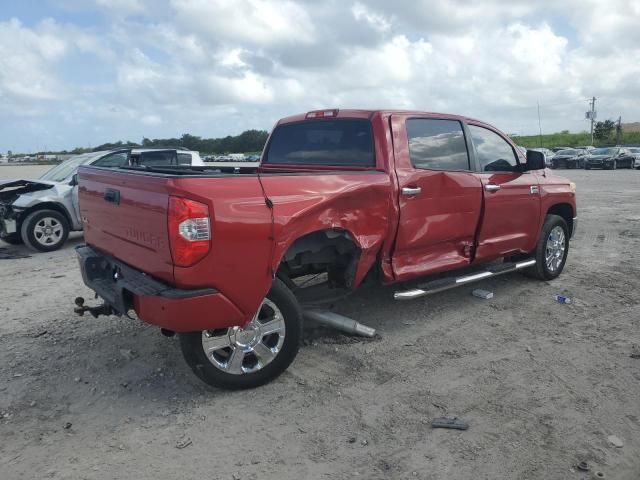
(74, 180)
(535, 160)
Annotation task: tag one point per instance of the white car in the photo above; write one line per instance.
(635, 153)
(41, 213)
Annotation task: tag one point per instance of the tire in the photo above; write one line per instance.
(12, 239)
(614, 165)
(216, 368)
(587, 167)
(541, 269)
(45, 230)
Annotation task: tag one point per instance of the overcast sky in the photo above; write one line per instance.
(84, 72)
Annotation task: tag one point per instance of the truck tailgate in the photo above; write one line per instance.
(125, 215)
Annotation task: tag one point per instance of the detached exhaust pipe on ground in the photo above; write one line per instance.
(339, 322)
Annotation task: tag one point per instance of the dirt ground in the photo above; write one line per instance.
(542, 385)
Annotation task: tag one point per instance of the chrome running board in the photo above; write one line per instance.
(442, 284)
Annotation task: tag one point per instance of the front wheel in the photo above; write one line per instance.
(552, 249)
(239, 358)
(45, 230)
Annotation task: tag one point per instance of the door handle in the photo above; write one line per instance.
(411, 190)
(491, 187)
(112, 196)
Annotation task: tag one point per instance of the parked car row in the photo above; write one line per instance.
(41, 213)
(608, 158)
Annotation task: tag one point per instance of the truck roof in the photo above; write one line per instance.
(368, 113)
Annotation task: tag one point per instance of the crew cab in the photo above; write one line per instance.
(41, 213)
(224, 257)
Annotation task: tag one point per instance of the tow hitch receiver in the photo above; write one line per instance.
(96, 311)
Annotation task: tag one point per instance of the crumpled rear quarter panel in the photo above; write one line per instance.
(357, 202)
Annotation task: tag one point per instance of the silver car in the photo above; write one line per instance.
(41, 213)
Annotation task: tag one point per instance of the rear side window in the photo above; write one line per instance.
(184, 159)
(493, 152)
(322, 142)
(437, 144)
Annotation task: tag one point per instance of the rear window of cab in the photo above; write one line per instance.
(335, 142)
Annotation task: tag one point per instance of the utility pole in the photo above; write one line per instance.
(619, 131)
(592, 115)
(539, 125)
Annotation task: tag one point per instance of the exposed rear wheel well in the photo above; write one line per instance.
(327, 251)
(565, 211)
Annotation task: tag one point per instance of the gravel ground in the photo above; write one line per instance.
(542, 385)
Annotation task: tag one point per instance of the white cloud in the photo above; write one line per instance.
(216, 67)
(151, 120)
(254, 21)
(376, 20)
(27, 57)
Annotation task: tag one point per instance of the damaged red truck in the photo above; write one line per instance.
(217, 254)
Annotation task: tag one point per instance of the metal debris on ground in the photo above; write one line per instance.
(615, 441)
(562, 299)
(184, 443)
(583, 466)
(635, 351)
(485, 294)
(450, 422)
(67, 425)
(127, 354)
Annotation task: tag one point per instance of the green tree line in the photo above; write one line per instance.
(605, 133)
(247, 141)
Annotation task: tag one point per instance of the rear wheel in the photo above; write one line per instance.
(12, 239)
(552, 249)
(238, 358)
(45, 230)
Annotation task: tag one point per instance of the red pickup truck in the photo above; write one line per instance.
(223, 256)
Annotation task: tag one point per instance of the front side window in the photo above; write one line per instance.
(338, 142)
(437, 144)
(494, 152)
(119, 159)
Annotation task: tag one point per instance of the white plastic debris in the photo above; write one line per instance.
(478, 292)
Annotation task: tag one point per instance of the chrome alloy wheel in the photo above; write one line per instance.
(48, 231)
(238, 350)
(556, 245)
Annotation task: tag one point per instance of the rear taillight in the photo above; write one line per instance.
(189, 231)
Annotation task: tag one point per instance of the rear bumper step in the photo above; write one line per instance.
(443, 284)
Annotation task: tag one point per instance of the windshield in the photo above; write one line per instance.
(338, 142)
(567, 152)
(66, 170)
(604, 151)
